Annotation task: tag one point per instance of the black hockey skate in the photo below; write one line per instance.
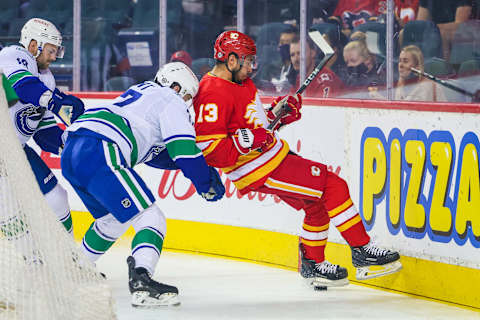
(372, 261)
(322, 275)
(146, 292)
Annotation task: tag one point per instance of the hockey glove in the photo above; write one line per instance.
(66, 106)
(217, 190)
(246, 140)
(293, 102)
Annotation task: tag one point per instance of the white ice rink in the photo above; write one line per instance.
(216, 288)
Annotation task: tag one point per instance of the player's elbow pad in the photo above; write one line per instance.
(31, 91)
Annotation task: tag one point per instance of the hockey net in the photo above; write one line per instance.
(43, 275)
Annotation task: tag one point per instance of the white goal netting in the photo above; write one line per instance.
(43, 275)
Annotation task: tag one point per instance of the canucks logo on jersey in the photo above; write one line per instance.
(28, 118)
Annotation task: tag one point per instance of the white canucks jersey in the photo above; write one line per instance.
(143, 121)
(28, 118)
(16, 64)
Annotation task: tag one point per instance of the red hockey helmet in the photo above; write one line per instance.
(233, 42)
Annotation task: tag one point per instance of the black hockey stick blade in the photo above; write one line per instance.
(328, 52)
(443, 82)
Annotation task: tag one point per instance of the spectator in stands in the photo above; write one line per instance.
(410, 86)
(363, 69)
(287, 75)
(420, 89)
(181, 56)
(321, 10)
(326, 84)
(353, 13)
(337, 40)
(406, 10)
(447, 14)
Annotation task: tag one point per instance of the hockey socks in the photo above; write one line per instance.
(347, 220)
(146, 248)
(67, 222)
(95, 242)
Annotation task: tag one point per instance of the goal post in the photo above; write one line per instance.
(43, 274)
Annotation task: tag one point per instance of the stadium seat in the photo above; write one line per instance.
(438, 68)
(119, 83)
(425, 35)
(469, 67)
(380, 29)
(466, 42)
(8, 12)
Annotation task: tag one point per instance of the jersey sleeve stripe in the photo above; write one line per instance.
(211, 147)
(194, 156)
(183, 149)
(46, 124)
(118, 124)
(179, 137)
(210, 137)
(18, 71)
(15, 82)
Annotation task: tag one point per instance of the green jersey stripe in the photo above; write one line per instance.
(126, 177)
(47, 123)
(119, 123)
(182, 148)
(9, 92)
(17, 76)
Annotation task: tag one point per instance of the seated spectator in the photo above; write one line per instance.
(352, 13)
(405, 11)
(447, 14)
(287, 75)
(319, 11)
(326, 84)
(364, 69)
(181, 56)
(410, 86)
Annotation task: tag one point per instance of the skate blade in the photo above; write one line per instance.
(141, 299)
(320, 283)
(370, 272)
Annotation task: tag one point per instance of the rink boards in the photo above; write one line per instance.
(413, 172)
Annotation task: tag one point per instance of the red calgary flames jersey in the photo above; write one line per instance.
(325, 85)
(222, 107)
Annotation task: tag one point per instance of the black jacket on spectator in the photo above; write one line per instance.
(358, 77)
(443, 11)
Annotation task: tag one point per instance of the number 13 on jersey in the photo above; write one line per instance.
(207, 112)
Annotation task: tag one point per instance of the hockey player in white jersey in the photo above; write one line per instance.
(149, 123)
(33, 101)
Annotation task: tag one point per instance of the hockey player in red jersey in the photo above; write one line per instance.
(231, 131)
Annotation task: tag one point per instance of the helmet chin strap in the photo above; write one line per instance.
(39, 51)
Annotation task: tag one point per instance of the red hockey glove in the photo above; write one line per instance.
(246, 140)
(293, 102)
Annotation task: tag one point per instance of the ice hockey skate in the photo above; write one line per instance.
(146, 292)
(372, 261)
(323, 274)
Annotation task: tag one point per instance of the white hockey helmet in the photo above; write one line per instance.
(42, 31)
(178, 73)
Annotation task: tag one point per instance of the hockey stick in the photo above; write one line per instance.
(281, 109)
(475, 96)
